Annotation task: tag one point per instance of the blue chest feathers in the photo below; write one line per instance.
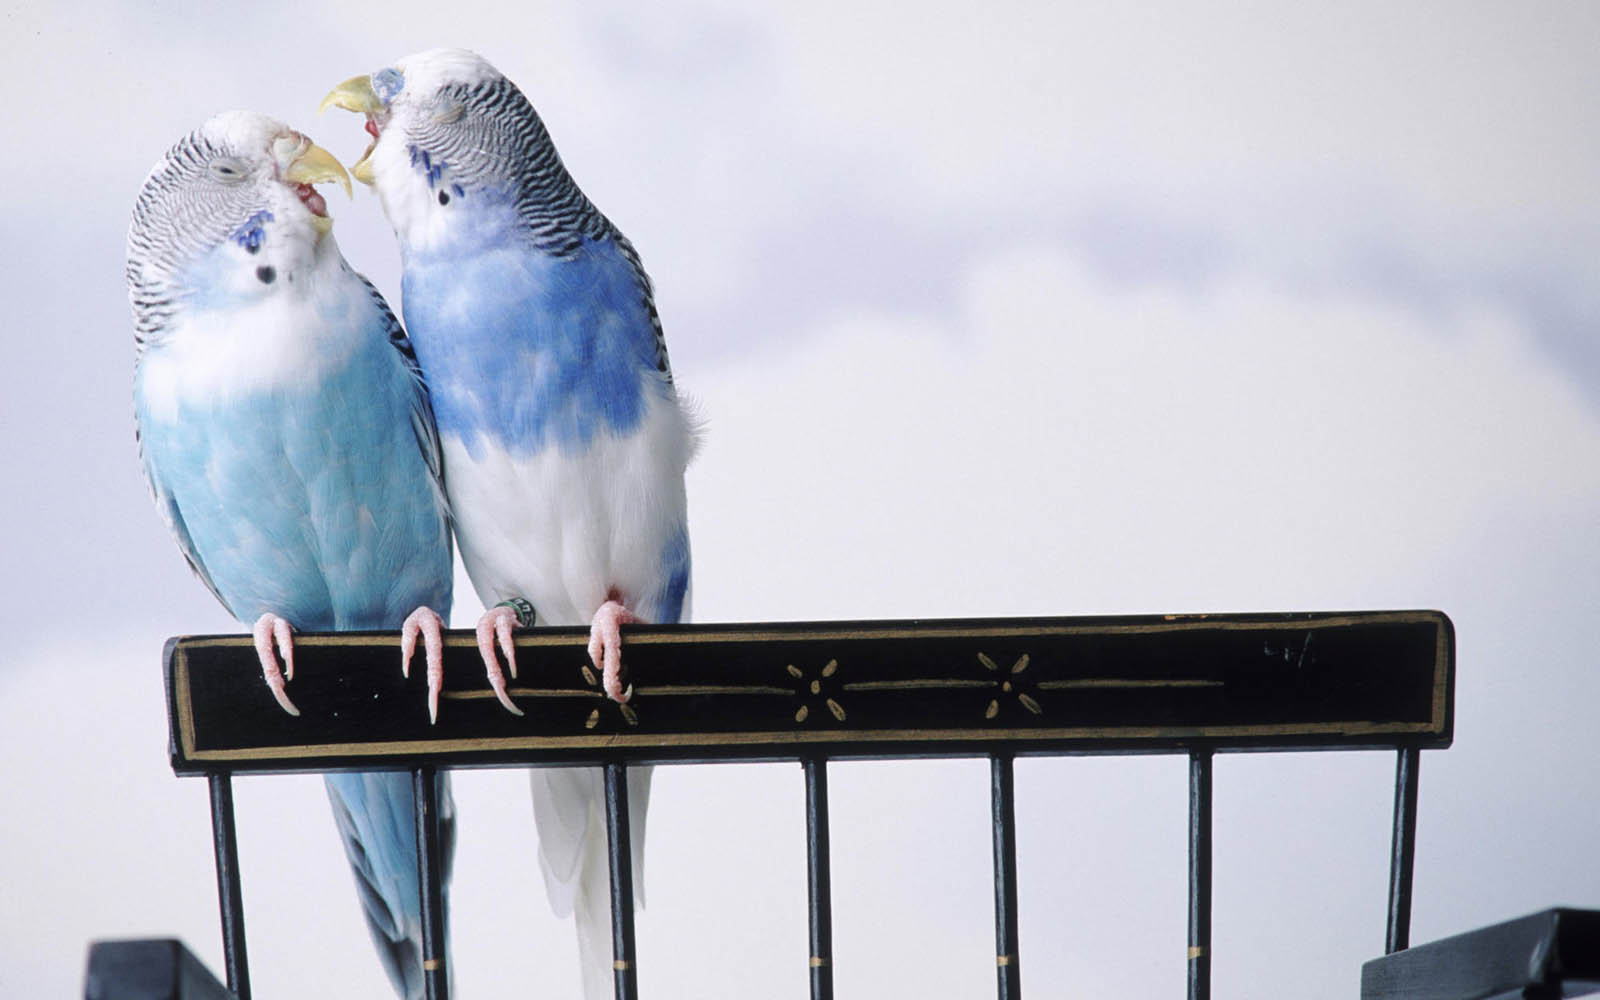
(312, 501)
(530, 351)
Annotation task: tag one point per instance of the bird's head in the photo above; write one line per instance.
(231, 209)
(452, 139)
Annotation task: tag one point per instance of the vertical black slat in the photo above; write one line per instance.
(1403, 853)
(1002, 800)
(1200, 875)
(620, 850)
(230, 898)
(819, 879)
(435, 969)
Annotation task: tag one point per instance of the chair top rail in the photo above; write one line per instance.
(1554, 953)
(149, 968)
(863, 689)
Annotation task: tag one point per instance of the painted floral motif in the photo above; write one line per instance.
(628, 712)
(1009, 684)
(815, 689)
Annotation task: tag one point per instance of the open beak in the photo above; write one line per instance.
(316, 165)
(356, 94)
(305, 164)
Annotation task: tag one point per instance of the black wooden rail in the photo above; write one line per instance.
(1543, 956)
(815, 692)
(148, 969)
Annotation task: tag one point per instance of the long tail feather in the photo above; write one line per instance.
(569, 812)
(374, 813)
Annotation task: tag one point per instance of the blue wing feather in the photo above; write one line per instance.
(170, 513)
(309, 503)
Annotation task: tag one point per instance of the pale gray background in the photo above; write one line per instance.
(991, 309)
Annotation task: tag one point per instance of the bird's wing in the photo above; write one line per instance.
(422, 420)
(167, 507)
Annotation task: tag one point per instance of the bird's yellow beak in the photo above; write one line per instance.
(315, 165)
(356, 94)
(361, 170)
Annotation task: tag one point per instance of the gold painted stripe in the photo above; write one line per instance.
(915, 685)
(523, 692)
(818, 963)
(180, 681)
(432, 965)
(1111, 682)
(656, 691)
(1441, 676)
(1002, 960)
(1195, 951)
(568, 743)
(1183, 623)
(660, 690)
(621, 965)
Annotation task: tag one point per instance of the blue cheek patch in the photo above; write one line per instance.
(433, 169)
(251, 235)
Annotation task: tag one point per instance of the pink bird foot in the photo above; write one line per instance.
(425, 622)
(498, 623)
(269, 627)
(605, 645)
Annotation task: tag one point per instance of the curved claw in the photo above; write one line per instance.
(497, 623)
(269, 628)
(425, 622)
(605, 647)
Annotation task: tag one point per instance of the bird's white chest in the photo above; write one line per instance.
(212, 355)
(565, 529)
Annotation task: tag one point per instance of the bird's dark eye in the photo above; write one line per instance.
(227, 170)
(444, 199)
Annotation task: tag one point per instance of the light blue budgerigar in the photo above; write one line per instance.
(287, 436)
(563, 433)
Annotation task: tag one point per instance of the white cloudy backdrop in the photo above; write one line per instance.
(991, 309)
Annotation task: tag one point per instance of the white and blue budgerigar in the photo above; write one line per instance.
(563, 433)
(287, 436)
